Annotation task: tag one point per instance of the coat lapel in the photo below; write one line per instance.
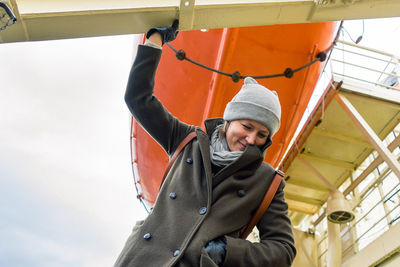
(204, 144)
(252, 155)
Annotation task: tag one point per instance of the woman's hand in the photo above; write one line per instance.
(216, 249)
(163, 34)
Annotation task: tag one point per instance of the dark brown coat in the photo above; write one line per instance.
(205, 206)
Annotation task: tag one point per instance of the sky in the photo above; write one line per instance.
(67, 196)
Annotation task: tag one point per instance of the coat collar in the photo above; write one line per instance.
(210, 125)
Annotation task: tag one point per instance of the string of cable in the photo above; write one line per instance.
(236, 76)
(359, 38)
(8, 14)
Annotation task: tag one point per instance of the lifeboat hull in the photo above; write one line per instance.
(194, 94)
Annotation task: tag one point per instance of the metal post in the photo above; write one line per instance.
(334, 245)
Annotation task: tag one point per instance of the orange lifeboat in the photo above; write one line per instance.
(193, 94)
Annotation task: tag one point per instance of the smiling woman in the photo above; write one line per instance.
(215, 186)
(259, 112)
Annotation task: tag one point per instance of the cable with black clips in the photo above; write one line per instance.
(236, 76)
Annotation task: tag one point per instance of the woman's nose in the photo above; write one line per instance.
(251, 139)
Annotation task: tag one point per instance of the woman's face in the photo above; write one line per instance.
(241, 133)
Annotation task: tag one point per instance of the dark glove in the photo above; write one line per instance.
(216, 249)
(168, 34)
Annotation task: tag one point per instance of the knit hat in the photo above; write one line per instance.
(257, 103)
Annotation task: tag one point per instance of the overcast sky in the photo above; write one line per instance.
(67, 196)
(66, 188)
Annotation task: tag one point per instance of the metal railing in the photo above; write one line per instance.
(354, 62)
(362, 65)
(381, 201)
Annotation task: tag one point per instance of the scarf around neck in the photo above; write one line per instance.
(220, 153)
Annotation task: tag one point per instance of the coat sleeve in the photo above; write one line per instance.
(148, 111)
(276, 246)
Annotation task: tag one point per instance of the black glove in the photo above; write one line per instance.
(216, 249)
(168, 34)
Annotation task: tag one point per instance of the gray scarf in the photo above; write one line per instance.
(220, 154)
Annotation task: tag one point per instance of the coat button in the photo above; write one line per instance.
(241, 193)
(203, 210)
(172, 195)
(147, 236)
(176, 253)
(189, 160)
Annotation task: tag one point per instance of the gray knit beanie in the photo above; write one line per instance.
(257, 103)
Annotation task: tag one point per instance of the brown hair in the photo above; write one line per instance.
(223, 129)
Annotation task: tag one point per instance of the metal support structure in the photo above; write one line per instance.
(334, 162)
(7, 17)
(311, 201)
(186, 13)
(364, 80)
(338, 209)
(50, 20)
(303, 251)
(308, 186)
(371, 167)
(369, 134)
(367, 49)
(395, 143)
(334, 245)
(317, 173)
(341, 137)
(303, 208)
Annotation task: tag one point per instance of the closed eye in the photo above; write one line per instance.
(246, 126)
(261, 135)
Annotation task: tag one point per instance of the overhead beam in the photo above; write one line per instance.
(302, 207)
(299, 190)
(340, 137)
(307, 200)
(49, 20)
(64, 25)
(334, 162)
(313, 187)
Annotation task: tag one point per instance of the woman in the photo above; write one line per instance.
(216, 183)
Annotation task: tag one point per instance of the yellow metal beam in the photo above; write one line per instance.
(341, 137)
(302, 207)
(304, 199)
(308, 186)
(48, 20)
(333, 162)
